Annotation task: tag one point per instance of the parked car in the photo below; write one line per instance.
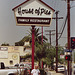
(10, 70)
(24, 66)
(61, 68)
(73, 69)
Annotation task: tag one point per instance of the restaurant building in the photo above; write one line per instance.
(11, 55)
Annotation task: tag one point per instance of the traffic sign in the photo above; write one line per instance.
(67, 50)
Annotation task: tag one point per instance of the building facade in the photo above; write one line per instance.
(10, 55)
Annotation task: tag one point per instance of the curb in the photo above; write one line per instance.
(54, 73)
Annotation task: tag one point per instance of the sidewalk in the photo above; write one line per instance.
(54, 73)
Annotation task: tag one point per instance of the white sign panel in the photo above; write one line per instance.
(3, 52)
(62, 56)
(33, 12)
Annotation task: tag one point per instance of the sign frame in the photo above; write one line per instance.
(36, 20)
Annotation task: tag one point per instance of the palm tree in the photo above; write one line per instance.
(40, 52)
(5, 44)
(38, 35)
(39, 48)
(29, 38)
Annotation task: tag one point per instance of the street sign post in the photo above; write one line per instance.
(68, 52)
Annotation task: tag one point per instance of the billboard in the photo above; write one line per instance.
(33, 12)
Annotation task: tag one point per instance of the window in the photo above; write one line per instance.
(11, 62)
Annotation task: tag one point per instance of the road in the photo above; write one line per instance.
(54, 73)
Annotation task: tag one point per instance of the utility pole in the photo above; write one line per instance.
(50, 34)
(68, 22)
(68, 31)
(57, 38)
(56, 41)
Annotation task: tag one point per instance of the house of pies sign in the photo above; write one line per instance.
(33, 12)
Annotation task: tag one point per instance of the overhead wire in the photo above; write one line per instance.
(63, 25)
(56, 4)
(62, 29)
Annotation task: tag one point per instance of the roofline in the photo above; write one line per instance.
(29, 0)
(20, 4)
(47, 5)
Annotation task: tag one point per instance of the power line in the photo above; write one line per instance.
(50, 34)
(62, 30)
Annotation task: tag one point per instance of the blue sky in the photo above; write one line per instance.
(10, 33)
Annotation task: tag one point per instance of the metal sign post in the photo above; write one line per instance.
(68, 53)
(73, 62)
(33, 39)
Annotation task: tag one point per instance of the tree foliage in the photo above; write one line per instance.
(40, 51)
(44, 51)
(5, 44)
(50, 55)
(29, 38)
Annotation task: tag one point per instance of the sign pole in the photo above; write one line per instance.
(34, 15)
(33, 40)
(68, 30)
(42, 44)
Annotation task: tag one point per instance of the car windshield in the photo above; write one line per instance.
(26, 65)
(74, 66)
(21, 64)
(60, 66)
(12, 67)
(16, 64)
